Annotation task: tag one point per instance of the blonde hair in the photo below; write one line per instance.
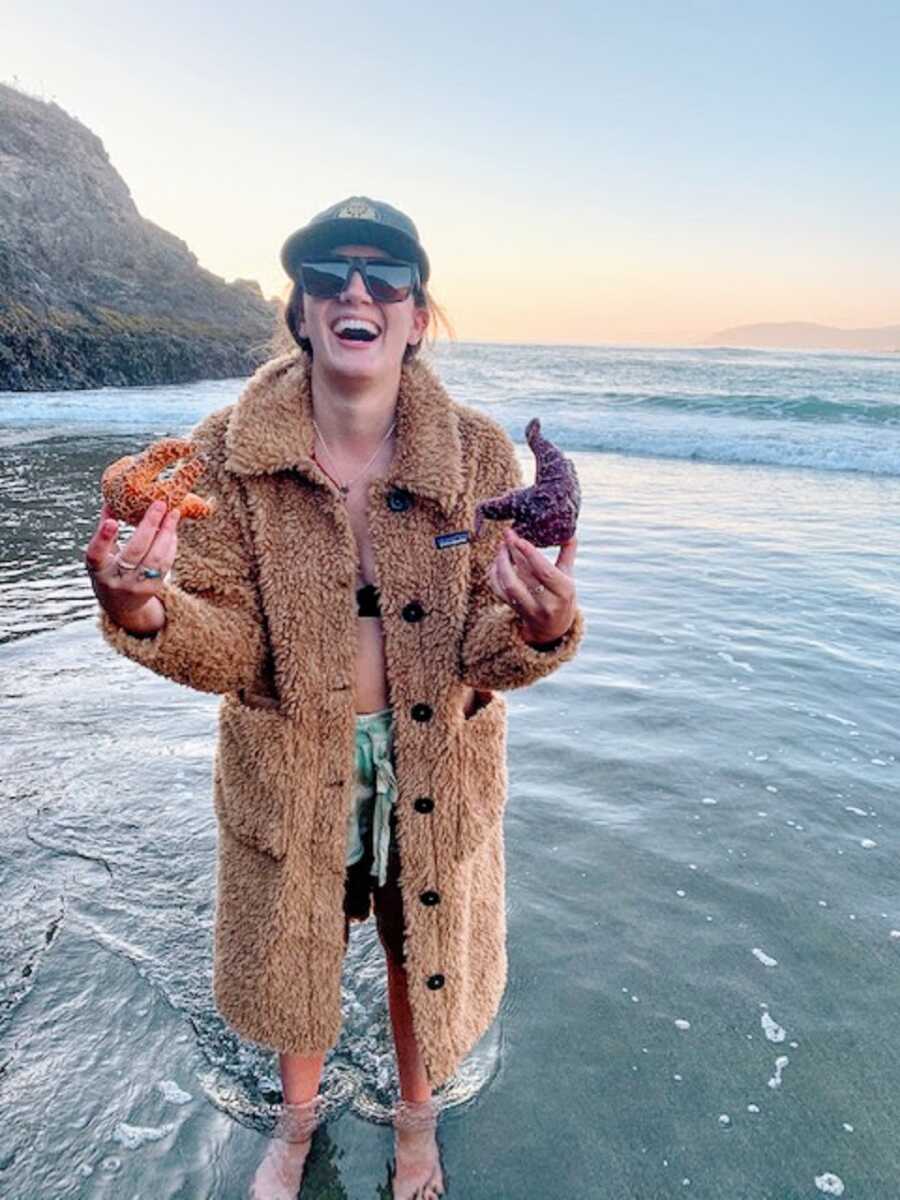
(288, 335)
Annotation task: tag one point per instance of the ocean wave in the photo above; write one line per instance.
(813, 408)
(822, 411)
(785, 445)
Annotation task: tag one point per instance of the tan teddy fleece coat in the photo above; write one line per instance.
(261, 607)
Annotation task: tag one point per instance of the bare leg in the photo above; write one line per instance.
(300, 1076)
(279, 1175)
(410, 1067)
(418, 1175)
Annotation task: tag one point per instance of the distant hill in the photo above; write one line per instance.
(91, 293)
(799, 335)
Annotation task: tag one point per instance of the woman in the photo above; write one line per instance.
(360, 638)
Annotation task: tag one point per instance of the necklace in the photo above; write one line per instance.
(344, 488)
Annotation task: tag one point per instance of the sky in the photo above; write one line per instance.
(578, 172)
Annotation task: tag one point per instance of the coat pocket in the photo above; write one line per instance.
(483, 774)
(253, 774)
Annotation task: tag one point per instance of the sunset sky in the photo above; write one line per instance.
(582, 172)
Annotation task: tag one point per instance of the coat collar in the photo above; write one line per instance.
(270, 429)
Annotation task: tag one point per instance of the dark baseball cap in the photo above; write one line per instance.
(356, 220)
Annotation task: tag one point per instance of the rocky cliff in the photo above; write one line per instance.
(91, 293)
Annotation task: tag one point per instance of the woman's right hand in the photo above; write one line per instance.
(129, 598)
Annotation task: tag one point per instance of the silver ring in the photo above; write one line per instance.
(128, 566)
(539, 588)
(151, 573)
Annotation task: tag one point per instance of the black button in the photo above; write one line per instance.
(335, 782)
(430, 898)
(399, 500)
(421, 712)
(412, 611)
(435, 982)
(423, 804)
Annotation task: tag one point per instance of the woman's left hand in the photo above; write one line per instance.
(542, 593)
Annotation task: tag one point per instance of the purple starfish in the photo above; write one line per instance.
(545, 513)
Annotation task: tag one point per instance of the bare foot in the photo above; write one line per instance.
(418, 1170)
(279, 1175)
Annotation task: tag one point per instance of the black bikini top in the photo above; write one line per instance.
(367, 601)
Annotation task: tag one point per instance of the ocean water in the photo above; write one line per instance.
(702, 830)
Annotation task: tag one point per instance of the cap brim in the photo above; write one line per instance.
(325, 235)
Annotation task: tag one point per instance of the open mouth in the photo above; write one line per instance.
(355, 329)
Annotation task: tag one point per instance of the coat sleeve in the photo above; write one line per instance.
(214, 636)
(494, 654)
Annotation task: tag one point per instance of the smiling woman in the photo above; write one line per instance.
(390, 280)
(359, 639)
(360, 296)
(319, 266)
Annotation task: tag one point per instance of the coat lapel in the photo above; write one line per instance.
(271, 430)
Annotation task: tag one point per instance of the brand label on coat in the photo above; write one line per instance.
(443, 540)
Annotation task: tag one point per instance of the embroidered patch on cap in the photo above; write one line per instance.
(360, 209)
(443, 540)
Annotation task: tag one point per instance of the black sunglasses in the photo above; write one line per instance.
(386, 280)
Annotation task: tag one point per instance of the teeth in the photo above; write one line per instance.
(355, 323)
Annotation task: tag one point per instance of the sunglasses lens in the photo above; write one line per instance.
(389, 282)
(323, 279)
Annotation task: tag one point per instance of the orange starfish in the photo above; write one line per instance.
(131, 484)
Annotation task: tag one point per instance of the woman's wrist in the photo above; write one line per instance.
(145, 621)
(554, 645)
(539, 642)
